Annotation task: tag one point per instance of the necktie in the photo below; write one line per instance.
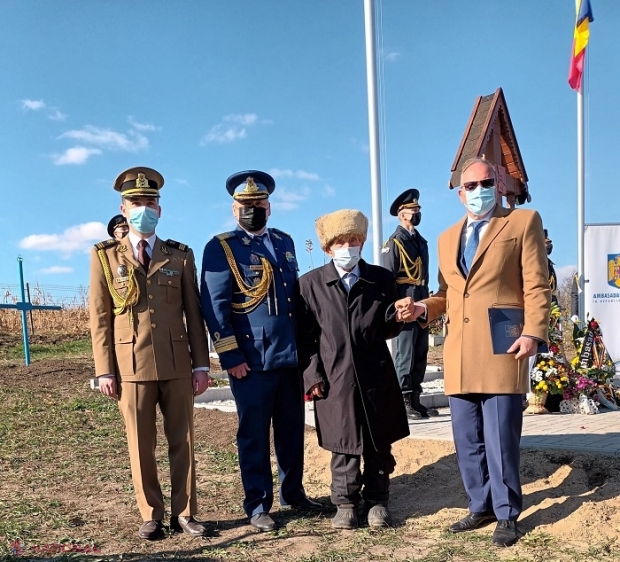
(349, 279)
(143, 256)
(471, 246)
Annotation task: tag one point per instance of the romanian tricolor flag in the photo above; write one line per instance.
(580, 41)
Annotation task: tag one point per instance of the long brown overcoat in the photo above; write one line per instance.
(509, 270)
(341, 342)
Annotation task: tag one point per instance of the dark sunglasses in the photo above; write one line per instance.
(471, 185)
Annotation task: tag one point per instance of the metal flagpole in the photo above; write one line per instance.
(581, 176)
(373, 131)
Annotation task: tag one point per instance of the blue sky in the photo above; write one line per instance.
(202, 89)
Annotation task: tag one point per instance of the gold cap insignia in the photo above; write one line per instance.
(141, 180)
(250, 186)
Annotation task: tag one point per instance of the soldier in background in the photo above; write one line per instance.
(247, 290)
(118, 227)
(405, 254)
(150, 347)
(553, 280)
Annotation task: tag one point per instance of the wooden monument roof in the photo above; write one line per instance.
(488, 129)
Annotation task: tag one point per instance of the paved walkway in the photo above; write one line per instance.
(599, 433)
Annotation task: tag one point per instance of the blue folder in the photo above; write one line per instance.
(506, 328)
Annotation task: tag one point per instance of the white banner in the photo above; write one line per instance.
(602, 287)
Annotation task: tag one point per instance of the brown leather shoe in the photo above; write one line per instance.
(151, 530)
(189, 526)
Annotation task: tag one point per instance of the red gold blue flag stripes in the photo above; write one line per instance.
(580, 41)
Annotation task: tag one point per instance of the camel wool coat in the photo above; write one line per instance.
(509, 270)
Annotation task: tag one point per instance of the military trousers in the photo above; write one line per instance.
(138, 405)
(264, 398)
(411, 357)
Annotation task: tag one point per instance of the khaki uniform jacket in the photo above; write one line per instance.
(509, 270)
(167, 335)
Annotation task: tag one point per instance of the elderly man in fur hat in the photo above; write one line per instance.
(346, 311)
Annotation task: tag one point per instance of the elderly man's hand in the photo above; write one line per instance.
(108, 386)
(404, 309)
(317, 391)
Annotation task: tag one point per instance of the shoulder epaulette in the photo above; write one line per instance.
(280, 232)
(177, 245)
(106, 244)
(225, 235)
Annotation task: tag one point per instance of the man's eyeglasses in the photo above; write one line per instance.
(471, 185)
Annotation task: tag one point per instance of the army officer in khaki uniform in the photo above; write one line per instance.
(150, 347)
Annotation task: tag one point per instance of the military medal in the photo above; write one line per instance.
(254, 258)
(289, 256)
(122, 270)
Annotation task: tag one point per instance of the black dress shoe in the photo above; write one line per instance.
(189, 526)
(263, 522)
(472, 521)
(306, 504)
(506, 533)
(151, 530)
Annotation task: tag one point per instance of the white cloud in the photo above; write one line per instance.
(32, 105)
(77, 238)
(232, 128)
(142, 127)
(288, 200)
(328, 191)
(300, 174)
(55, 270)
(245, 119)
(133, 141)
(74, 155)
(57, 115)
(392, 56)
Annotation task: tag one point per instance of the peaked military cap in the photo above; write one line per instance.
(406, 200)
(116, 220)
(139, 182)
(250, 185)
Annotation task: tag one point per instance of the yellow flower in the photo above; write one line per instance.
(545, 387)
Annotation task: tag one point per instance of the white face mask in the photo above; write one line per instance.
(347, 258)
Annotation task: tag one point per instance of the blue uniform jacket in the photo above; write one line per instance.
(264, 338)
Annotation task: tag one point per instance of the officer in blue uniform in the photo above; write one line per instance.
(405, 254)
(247, 290)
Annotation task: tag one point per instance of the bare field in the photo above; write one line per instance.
(65, 480)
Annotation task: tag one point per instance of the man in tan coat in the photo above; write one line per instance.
(150, 347)
(493, 258)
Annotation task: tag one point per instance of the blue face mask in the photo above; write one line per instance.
(347, 258)
(143, 219)
(481, 200)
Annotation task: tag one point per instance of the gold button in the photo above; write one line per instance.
(150, 296)
(466, 295)
(148, 281)
(153, 325)
(169, 282)
(466, 320)
(152, 310)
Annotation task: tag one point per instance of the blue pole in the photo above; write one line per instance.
(20, 260)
